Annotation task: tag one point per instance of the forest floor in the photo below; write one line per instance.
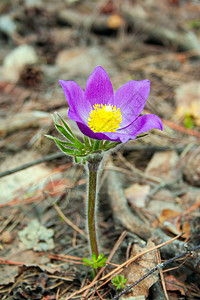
(149, 188)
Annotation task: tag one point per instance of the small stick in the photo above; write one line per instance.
(33, 163)
(162, 276)
(67, 221)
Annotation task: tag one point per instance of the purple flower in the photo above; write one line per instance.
(104, 115)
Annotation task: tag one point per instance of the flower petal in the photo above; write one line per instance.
(98, 89)
(109, 136)
(88, 132)
(142, 124)
(119, 137)
(79, 107)
(131, 98)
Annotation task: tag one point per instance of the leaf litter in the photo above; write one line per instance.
(53, 193)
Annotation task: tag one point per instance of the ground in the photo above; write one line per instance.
(149, 188)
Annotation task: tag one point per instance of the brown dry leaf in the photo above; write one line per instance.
(173, 284)
(168, 214)
(115, 21)
(184, 228)
(164, 165)
(137, 194)
(139, 268)
(26, 257)
(169, 219)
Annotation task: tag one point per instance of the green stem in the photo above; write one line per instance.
(93, 165)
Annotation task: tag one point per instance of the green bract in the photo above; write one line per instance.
(72, 146)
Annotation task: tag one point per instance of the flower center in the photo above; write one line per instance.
(104, 118)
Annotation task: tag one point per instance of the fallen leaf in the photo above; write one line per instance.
(137, 194)
(164, 165)
(173, 284)
(139, 268)
(115, 22)
(169, 219)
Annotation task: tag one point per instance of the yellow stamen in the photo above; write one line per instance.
(104, 118)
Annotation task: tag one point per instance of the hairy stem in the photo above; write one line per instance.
(91, 206)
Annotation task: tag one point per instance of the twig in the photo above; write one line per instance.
(33, 163)
(159, 266)
(162, 276)
(67, 221)
(180, 128)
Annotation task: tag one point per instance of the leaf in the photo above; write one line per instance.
(139, 268)
(87, 261)
(78, 143)
(66, 126)
(78, 159)
(174, 284)
(59, 143)
(65, 133)
(112, 145)
(96, 145)
(169, 219)
(87, 141)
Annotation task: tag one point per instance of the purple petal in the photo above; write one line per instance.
(131, 98)
(142, 124)
(79, 108)
(109, 136)
(98, 89)
(88, 132)
(119, 137)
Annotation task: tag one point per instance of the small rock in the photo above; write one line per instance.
(7, 25)
(81, 61)
(6, 237)
(16, 60)
(33, 3)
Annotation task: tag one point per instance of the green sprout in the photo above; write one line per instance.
(188, 122)
(118, 281)
(95, 263)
